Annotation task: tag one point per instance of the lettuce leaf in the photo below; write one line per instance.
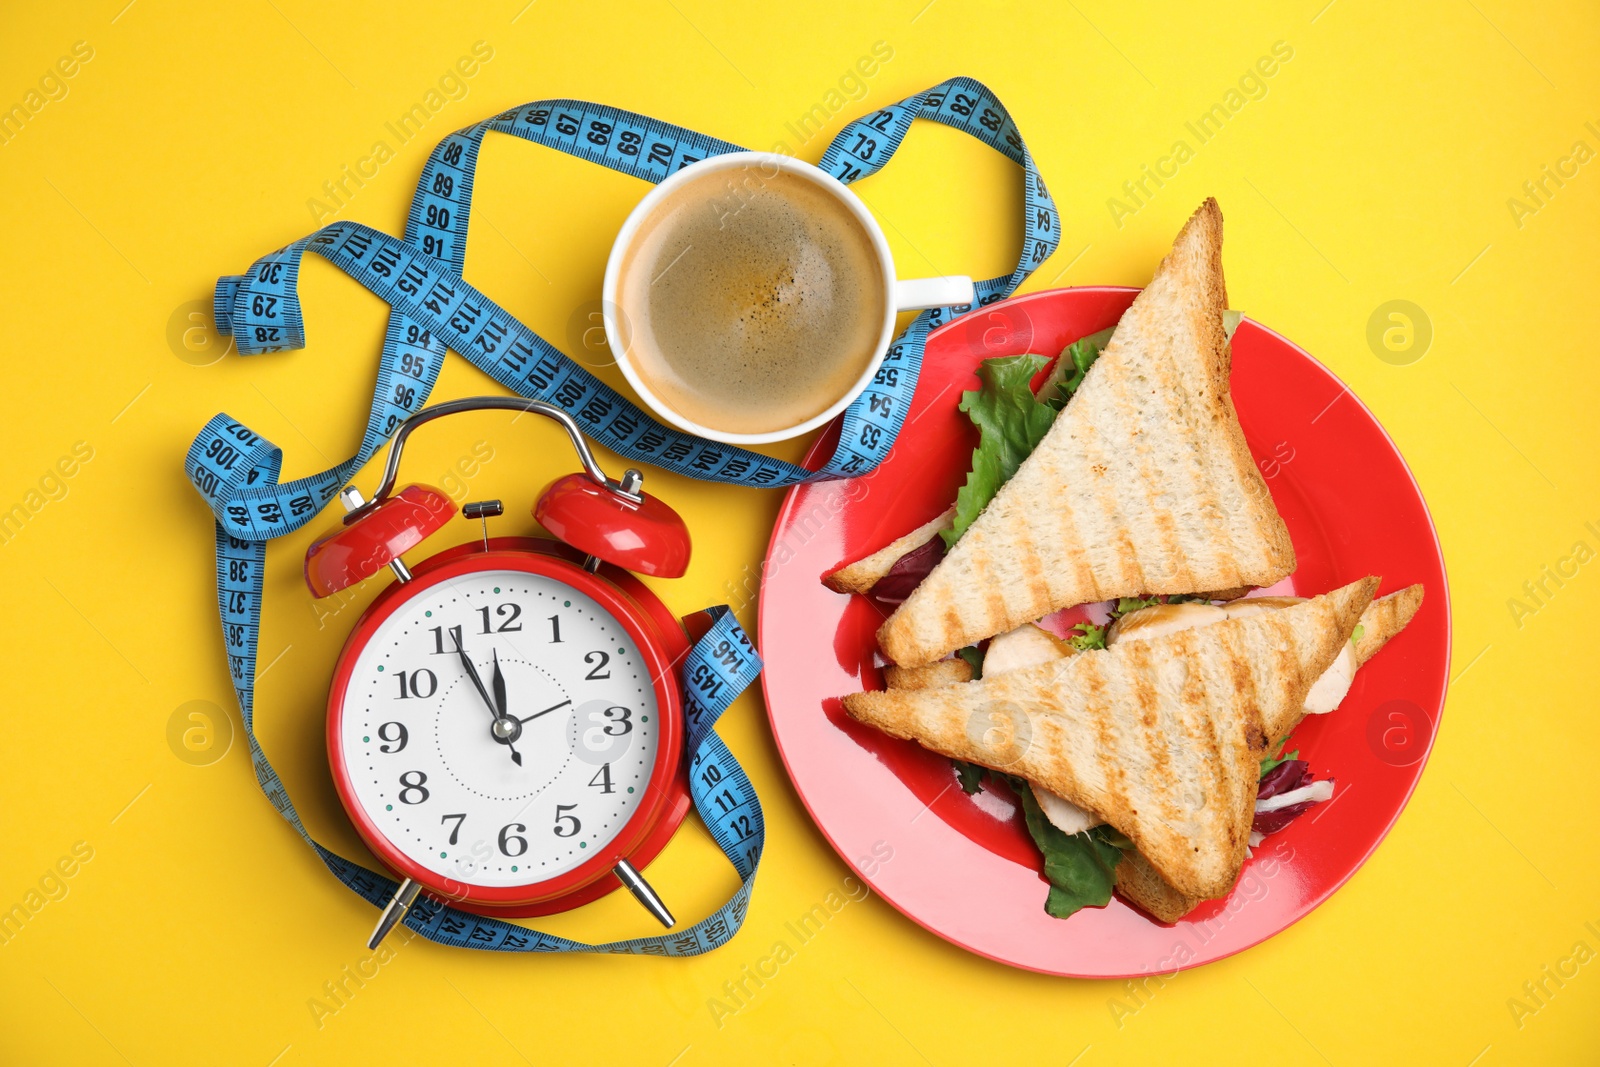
(1271, 763)
(1129, 604)
(1011, 421)
(974, 657)
(969, 776)
(1089, 637)
(1230, 323)
(1113, 836)
(1081, 868)
(1075, 361)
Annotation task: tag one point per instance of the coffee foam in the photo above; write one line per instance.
(754, 301)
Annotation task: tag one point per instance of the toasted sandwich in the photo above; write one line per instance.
(1138, 880)
(1162, 738)
(1028, 645)
(1143, 484)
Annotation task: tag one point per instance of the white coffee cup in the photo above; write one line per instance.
(909, 295)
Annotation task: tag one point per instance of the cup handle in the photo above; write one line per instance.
(917, 294)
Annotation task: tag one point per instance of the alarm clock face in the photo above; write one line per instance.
(417, 740)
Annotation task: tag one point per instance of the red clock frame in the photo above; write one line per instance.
(661, 640)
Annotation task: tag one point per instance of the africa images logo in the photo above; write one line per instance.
(1252, 85)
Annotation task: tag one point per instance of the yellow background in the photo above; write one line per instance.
(1377, 166)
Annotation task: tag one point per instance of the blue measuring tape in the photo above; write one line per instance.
(434, 310)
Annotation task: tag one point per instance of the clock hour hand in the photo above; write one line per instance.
(498, 681)
(505, 728)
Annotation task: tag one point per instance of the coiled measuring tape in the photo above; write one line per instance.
(433, 310)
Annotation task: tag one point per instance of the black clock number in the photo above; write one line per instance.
(423, 683)
(456, 829)
(602, 779)
(555, 629)
(411, 787)
(440, 648)
(562, 820)
(512, 844)
(396, 736)
(621, 717)
(509, 612)
(595, 674)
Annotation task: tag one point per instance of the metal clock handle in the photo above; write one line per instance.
(627, 489)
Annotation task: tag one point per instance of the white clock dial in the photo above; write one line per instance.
(421, 754)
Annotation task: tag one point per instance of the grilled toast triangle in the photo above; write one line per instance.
(1143, 485)
(1140, 882)
(1161, 738)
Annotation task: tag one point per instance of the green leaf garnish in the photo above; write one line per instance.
(1128, 604)
(1012, 419)
(1070, 369)
(1088, 638)
(970, 776)
(974, 657)
(1081, 868)
(1230, 323)
(1011, 422)
(1272, 761)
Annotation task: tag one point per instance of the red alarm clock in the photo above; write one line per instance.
(505, 724)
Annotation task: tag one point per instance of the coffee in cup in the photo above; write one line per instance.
(751, 296)
(753, 300)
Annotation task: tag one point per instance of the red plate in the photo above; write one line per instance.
(964, 867)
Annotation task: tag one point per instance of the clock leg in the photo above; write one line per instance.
(351, 498)
(628, 876)
(396, 910)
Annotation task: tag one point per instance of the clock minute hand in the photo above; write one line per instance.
(546, 711)
(472, 672)
(499, 730)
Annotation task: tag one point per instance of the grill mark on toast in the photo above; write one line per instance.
(1034, 569)
(1160, 477)
(991, 596)
(1096, 704)
(1285, 662)
(1125, 728)
(1245, 694)
(1202, 729)
(1071, 558)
